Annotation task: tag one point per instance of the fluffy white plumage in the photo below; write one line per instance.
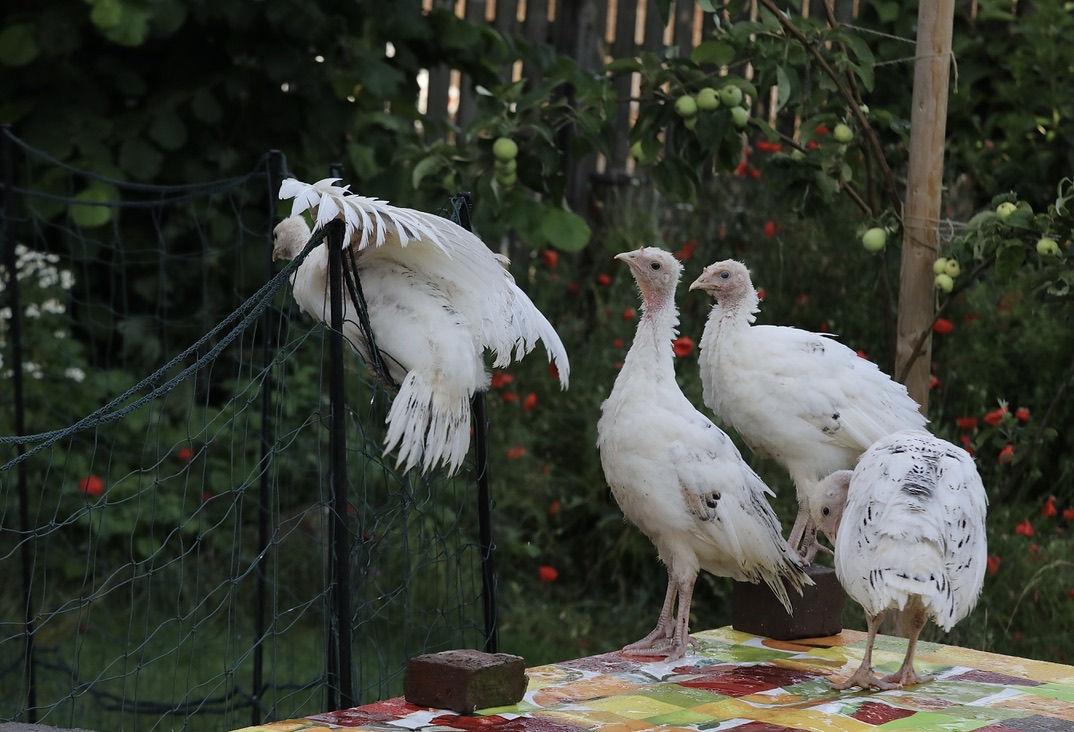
(677, 476)
(909, 528)
(801, 399)
(437, 298)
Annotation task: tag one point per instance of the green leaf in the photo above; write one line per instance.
(168, 131)
(621, 65)
(424, 167)
(91, 216)
(18, 44)
(106, 14)
(1009, 259)
(564, 230)
(783, 88)
(676, 178)
(713, 52)
(142, 160)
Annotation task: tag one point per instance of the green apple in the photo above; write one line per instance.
(637, 150)
(690, 123)
(797, 154)
(506, 166)
(1004, 210)
(708, 99)
(686, 106)
(875, 239)
(730, 96)
(740, 116)
(952, 268)
(505, 148)
(944, 282)
(507, 180)
(842, 133)
(1048, 248)
(939, 266)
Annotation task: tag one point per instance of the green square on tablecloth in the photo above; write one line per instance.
(929, 721)
(1063, 692)
(681, 696)
(681, 718)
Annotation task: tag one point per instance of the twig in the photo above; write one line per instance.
(847, 188)
(920, 343)
(848, 97)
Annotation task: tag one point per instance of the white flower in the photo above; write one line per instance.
(75, 374)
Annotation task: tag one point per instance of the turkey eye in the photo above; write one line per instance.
(826, 510)
(655, 265)
(724, 275)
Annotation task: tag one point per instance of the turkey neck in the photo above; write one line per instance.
(728, 320)
(651, 352)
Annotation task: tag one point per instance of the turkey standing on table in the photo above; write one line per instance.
(677, 476)
(437, 297)
(801, 399)
(909, 530)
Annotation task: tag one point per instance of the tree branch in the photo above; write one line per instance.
(848, 96)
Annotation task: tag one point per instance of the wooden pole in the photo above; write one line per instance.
(928, 126)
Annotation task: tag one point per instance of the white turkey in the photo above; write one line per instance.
(437, 298)
(677, 476)
(909, 532)
(801, 399)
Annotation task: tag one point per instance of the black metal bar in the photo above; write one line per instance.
(463, 205)
(7, 237)
(276, 165)
(340, 669)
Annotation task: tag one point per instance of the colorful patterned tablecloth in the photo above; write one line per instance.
(738, 681)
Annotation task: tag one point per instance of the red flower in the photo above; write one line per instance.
(206, 496)
(811, 145)
(683, 346)
(184, 455)
(554, 508)
(821, 130)
(754, 173)
(1006, 455)
(516, 452)
(740, 169)
(1024, 529)
(550, 257)
(770, 228)
(1034, 549)
(1068, 514)
(721, 232)
(1021, 414)
(628, 314)
(501, 379)
(1049, 510)
(510, 396)
(687, 251)
(995, 416)
(766, 146)
(967, 443)
(967, 423)
(530, 402)
(618, 343)
(604, 279)
(943, 326)
(1071, 594)
(993, 564)
(933, 382)
(761, 294)
(547, 574)
(553, 370)
(823, 327)
(861, 354)
(91, 485)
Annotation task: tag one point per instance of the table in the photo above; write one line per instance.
(738, 681)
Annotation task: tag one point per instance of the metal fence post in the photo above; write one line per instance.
(340, 666)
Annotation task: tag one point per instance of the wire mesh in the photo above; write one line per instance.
(175, 405)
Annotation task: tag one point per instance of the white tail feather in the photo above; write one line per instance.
(427, 430)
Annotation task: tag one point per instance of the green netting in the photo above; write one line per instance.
(164, 529)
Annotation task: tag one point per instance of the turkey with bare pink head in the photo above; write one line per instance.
(437, 298)
(677, 476)
(908, 525)
(801, 399)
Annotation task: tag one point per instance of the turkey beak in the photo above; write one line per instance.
(700, 281)
(628, 257)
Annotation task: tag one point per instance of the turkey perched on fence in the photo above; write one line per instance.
(437, 298)
(801, 399)
(677, 476)
(908, 526)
